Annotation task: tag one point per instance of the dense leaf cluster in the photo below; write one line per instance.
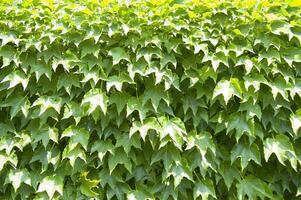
(150, 100)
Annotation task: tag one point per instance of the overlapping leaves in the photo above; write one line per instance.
(156, 99)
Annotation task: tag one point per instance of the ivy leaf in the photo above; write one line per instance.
(73, 109)
(202, 141)
(40, 68)
(46, 156)
(253, 188)
(17, 177)
(67, 81)
(228, 89)
(251, 109)
(279, 87)
(17, 104)
(77, 136)
(118, 54)
(241, 125)
(88, 47)
(296, 121)
(180, 171)
(102, 147)
(120, 100)
(133, 104)
(8, 54)
(87, 185)
(125, 141)
(147, 54)
(95, 98)
(246, 153)
(168, 154)
(143, 128)
(280, 146)
(155, 94)
(52, 184)
(270, 55)
(203, 188)
(119, 157)
(229, 173)
(15, 78)
(139, 194)
(47, 102)
(8, 158)
(174, 128)
(44, 134)
(73, 153)
(168, 58)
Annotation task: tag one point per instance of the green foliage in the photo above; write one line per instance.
(155, 99)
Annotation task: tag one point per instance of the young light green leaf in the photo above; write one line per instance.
(228, 89)
(95, 98)
(52, 184)
(17, 177)
(280, 146)
(296, 121)
(87, 185)
(15, 78)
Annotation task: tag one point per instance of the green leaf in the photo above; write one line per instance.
(77, 136)
(174, 128)
(229, 173)
(47, 102)
(120, 100)
(148, 124)
(270, 55)
(73, 153)
(73, 109)
(44, 134)
(296, 121)
(87, 185)
(253, 188)
(17, 177)
(136, 104)
(118, 54)
(155, 95)
(67, 81)
(245, 153)
(46, 156)
(15, 78)
(40, 69)
(125, 141)
(251, 109)
(168, 58)
(203, 188)
(228, 89)
(52, 184)
(102, 147)
(10, 158)
(17, 104)
(95, 98)
(241, 125)
(202, 141)
(88, 47)
(8, 54)
(119, 157)
(180, 171)
(168, 154)
(281, 147)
